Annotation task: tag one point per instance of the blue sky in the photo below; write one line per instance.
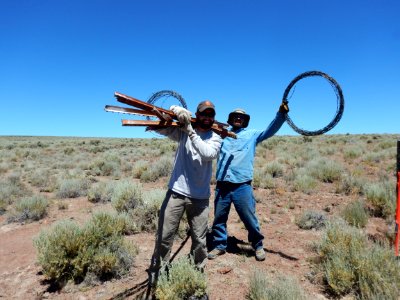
(61, 61)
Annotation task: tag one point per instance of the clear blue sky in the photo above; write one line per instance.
(61, 61)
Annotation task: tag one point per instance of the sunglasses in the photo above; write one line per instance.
(207, 114)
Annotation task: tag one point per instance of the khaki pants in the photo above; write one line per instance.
(171, 213)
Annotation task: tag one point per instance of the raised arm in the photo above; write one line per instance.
(276, 123)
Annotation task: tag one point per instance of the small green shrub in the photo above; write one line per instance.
(29, 209)
(107, 165)
(263, 286)
(161, 168)
(379, 274)
(139, 168)
(381, 196)
(126, 196)
(274, 168)
(66, 251)
(181, 281)
(355, 214)
(352, 153)
(72, 188)
(107, 224)
(146, 215)
(311, 220)
(325, 170)
(12, 188)
(43, 179)
(350, 265)
(101, 192)
(304, 183)
(351, 185)
(4, 167)
(262, 180)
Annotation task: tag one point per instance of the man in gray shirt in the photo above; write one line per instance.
(189, 185)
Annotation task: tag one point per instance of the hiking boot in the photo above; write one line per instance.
(260, 254)
(215, 253)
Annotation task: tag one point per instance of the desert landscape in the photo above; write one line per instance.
(311, 192)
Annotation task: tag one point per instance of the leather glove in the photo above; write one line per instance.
(182, 114)
(284, 108)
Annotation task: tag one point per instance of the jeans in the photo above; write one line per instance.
(171, 213)
(241, 195)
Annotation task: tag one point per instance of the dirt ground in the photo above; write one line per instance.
(288, 250)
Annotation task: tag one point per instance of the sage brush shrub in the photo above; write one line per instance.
(325, 170)
(161, 168)
(351, 265)
(69, 252)
(43, 179)
(107, 165)
(139, 168)
(127, 195)
(59, 251)
(101, 192)
(303, 182)
(351, 185)
(181, 281)
(311, 220)
(262, 180)
(72, 188)
(146, 215)
(274, 168)
(263, 286)
(352, 153)
(381, 196)
(11, 189)
(29, 209)
(355, 214)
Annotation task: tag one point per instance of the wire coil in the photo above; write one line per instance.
(166, 93)
(340, 103)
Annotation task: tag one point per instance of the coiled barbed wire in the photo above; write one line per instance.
(340, 103)
(167, 93)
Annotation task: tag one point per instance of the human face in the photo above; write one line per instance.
(238, 120)
(205, 119)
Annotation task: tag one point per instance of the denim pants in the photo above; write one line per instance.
(241, 195)
(171, 213)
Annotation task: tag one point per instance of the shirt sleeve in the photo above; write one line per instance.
(173, 133)
(273, 127)
(209, 149)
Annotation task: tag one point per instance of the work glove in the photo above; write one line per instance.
(182, 114)
(188, 129)
(284, 108)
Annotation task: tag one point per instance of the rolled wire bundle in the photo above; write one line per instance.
(339, 109)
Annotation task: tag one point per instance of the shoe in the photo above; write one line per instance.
(215, 253)
(260, 254)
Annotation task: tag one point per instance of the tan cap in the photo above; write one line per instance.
(204, 105)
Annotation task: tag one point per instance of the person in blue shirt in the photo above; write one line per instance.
(234, 176)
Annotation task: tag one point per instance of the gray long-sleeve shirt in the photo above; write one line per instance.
(192, 169)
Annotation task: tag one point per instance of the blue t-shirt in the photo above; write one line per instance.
(236, 157)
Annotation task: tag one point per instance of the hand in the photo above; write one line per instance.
(150, 128)
(284, 108)
(182, 114)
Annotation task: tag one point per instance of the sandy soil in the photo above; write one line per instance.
(288, 250)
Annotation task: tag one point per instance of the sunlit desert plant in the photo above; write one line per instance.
(181, 281)
(264, 286)
(31, 208)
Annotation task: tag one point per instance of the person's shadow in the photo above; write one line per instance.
(240, 247)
